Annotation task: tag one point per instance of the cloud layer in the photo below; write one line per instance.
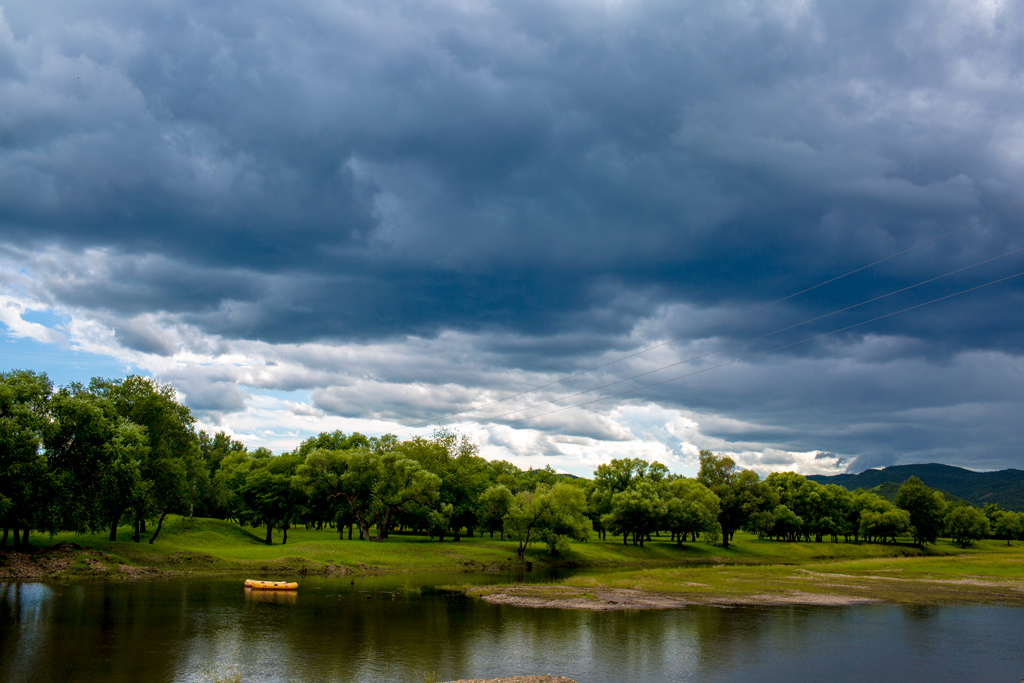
(382, 212)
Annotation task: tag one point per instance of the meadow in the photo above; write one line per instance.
(987, 571)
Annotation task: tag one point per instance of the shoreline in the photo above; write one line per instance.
(622, 599)
(612, 576)
(681, 586)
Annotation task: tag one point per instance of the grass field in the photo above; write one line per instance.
(749, 570)
(989, 572)
(195, 544)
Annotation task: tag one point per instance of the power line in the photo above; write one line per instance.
(715, 325)
(757, 353)
(752, 339)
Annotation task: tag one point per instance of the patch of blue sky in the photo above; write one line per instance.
(62, 365)
(46, 318)
(295, 396)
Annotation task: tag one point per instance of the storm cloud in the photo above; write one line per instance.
(405, 210)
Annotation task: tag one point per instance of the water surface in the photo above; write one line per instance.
(389, 629)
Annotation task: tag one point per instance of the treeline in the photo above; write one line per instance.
(90, 458)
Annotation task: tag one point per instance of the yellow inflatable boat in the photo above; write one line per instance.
(271, 585)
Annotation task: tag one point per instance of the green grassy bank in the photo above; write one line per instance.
(193, 545)
(988, 572)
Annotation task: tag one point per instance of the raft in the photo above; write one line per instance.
(271, 585)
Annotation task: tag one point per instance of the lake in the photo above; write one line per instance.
(396, 628)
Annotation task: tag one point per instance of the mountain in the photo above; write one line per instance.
(1004, 487)
(889, 489)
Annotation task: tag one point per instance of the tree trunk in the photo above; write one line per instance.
(284, 541)
(135, 536)
(24, 537)
(142, 525)
(625, 538)
(270, 529)
(113, 528)
(3, 542)
(158, 526)
(350, 531)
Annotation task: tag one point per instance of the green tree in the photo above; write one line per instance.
(374, 486)
(925, 507)
(690, 508)
(965, 524)
(1008, 525)
(333, 441)
(552, 514)
(26, 487)
(741, 494)
(495, 503)
(121, 485)
(883, 521)
(75, 443)
(613, 478)
(636, 511)
(463, 474)
(174, 466)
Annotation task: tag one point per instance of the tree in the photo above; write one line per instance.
(26, 491)
(690, 508)
(494, 505)
(333, 441)
(613, 478)
(1008, 525)
(925, 507)
(965, 524)
(884, 521)
(741, 494)
(174, 465)
(553, 514)
(373, 485)
(121, 485)
(463, 474)
(270, 495)
(637, 511)
(75, 443)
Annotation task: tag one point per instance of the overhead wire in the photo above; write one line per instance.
(757, 338)
(716, 325)
(756, 354)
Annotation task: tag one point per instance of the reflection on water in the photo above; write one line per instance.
(383, 629)
(278, 597)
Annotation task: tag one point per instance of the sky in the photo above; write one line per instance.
(573, 230)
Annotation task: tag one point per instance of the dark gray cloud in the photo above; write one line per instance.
(562, 182)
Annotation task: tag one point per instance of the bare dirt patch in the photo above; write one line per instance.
(601, 600)
(613, 599)
(65, 560)
(793, 597)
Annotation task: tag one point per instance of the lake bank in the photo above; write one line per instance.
(695, 573)
(982, 578)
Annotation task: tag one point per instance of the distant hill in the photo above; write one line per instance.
(889, 489)
(1005, 487)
